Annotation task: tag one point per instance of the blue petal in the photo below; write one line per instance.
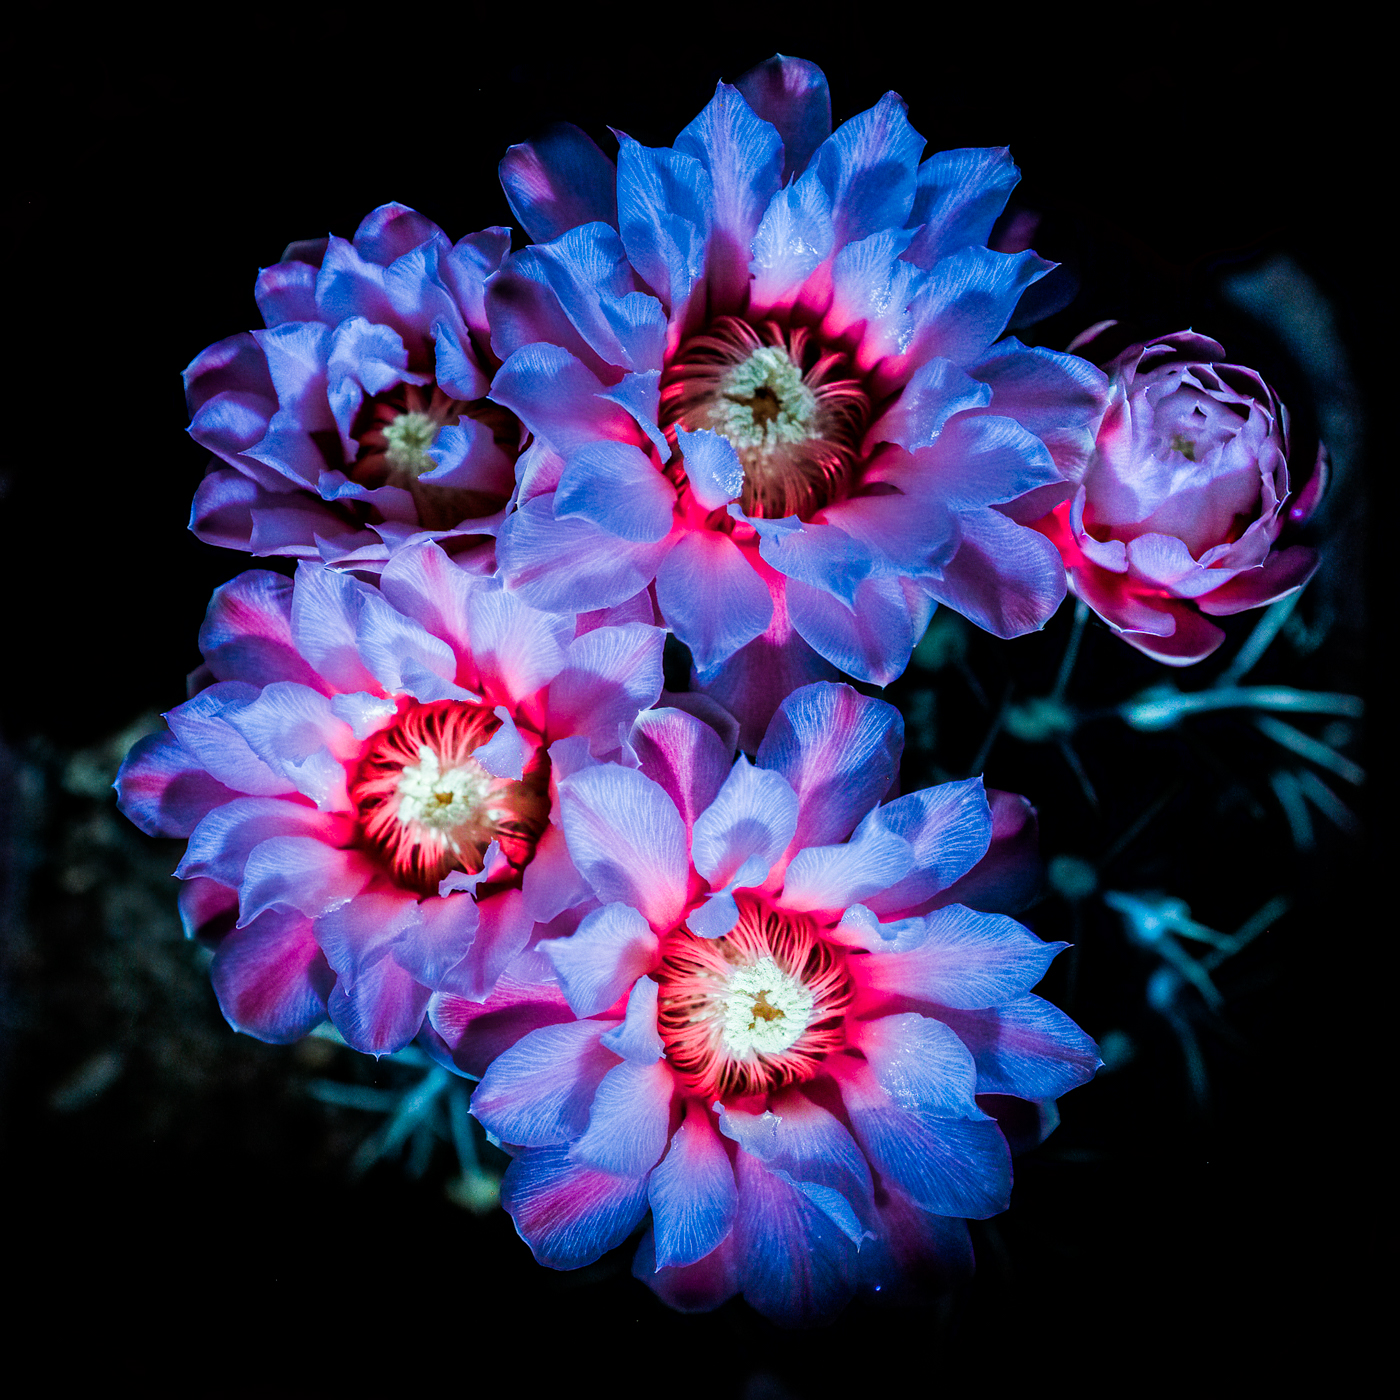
(558, 181)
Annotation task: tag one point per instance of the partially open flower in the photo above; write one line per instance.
(1178, 509)
(779, 1018)
(365, 779)
(358, 419)
(760, 373)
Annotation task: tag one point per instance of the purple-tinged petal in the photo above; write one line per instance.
(640, 395)
(744, 157)
(965, 960)
(950, 1166)
(794, 239)
(503, 755)
(525, 310)
(916, 1256)
(631, 1115)
(935, 392)
(1006, 578)
(627, 840)
(247, 632)
(746, 828)
(392, 230)
(611, 948)
(222, 511)
(477, 1033)
(559, 181)
(835, 877)
(609, 675)
(271, 979)
(219, 846)
(208, 910)
(684, 756)
(921, 1064)
(568, 1213)
(840, 752)
(436, 941)
(817, 553)
(664, 198)
(293, 729)
(636, 1039)
(871, 640)
(617, 487)
(1010, 875)
(503, 929)
(303, 873)
(162, 788)
(1060, 398)
(712, 598)
(466, 270)
(698, 1287)
(1282, 573)
(382, 1011)
(324, 610)
(692, 1192)
(966, 302)
(1026, 1047)
(233, 365)
(868, 165)
(796, 1266)
(603, 568)
(949, 828)
(792, 94)
(540, 1091)
(366, 714)
(809, 1149)
(551, 884)
(559, 398)
(202, 727)
(406, 658)
(286, 291)
(959, 197)
(358, 933)
(712, 467)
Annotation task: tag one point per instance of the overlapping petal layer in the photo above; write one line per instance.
(367, 787)
(786, 1077)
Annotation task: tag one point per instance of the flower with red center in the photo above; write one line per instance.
(358, 419)
(1177, 511)
(760, 374)
(788, 1023)
(365, 775)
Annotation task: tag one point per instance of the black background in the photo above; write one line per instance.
(153, 171)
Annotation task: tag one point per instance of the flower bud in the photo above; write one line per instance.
(1178, 509)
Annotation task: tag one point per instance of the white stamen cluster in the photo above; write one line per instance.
(763, 403)
(437, 799)
(765, 1009)
(406, 442)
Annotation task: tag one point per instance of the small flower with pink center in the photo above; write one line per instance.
(787, 1030)
(365, 776)
(358, 419)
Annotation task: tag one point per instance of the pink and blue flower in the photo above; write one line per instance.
(358, 420)
(760, 373)
(780, 1026)
(366, 778)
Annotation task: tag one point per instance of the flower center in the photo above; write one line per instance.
(427, 807)
(794, 413)
(407, 439)
(396, 429)
(754, 1010)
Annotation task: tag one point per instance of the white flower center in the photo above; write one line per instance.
(763, 403)
(441, 800)
(765, 1009)
(406, 442)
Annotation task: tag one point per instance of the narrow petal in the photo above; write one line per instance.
(558, 181)
(627, 1128)
(611, 948)
(567, 1212)
(637, 1038)
(1026, 1047)
(541, 1090)
(627, 840)
(271, 979)
(839, 750)
(692, 1192)
(965, 960)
